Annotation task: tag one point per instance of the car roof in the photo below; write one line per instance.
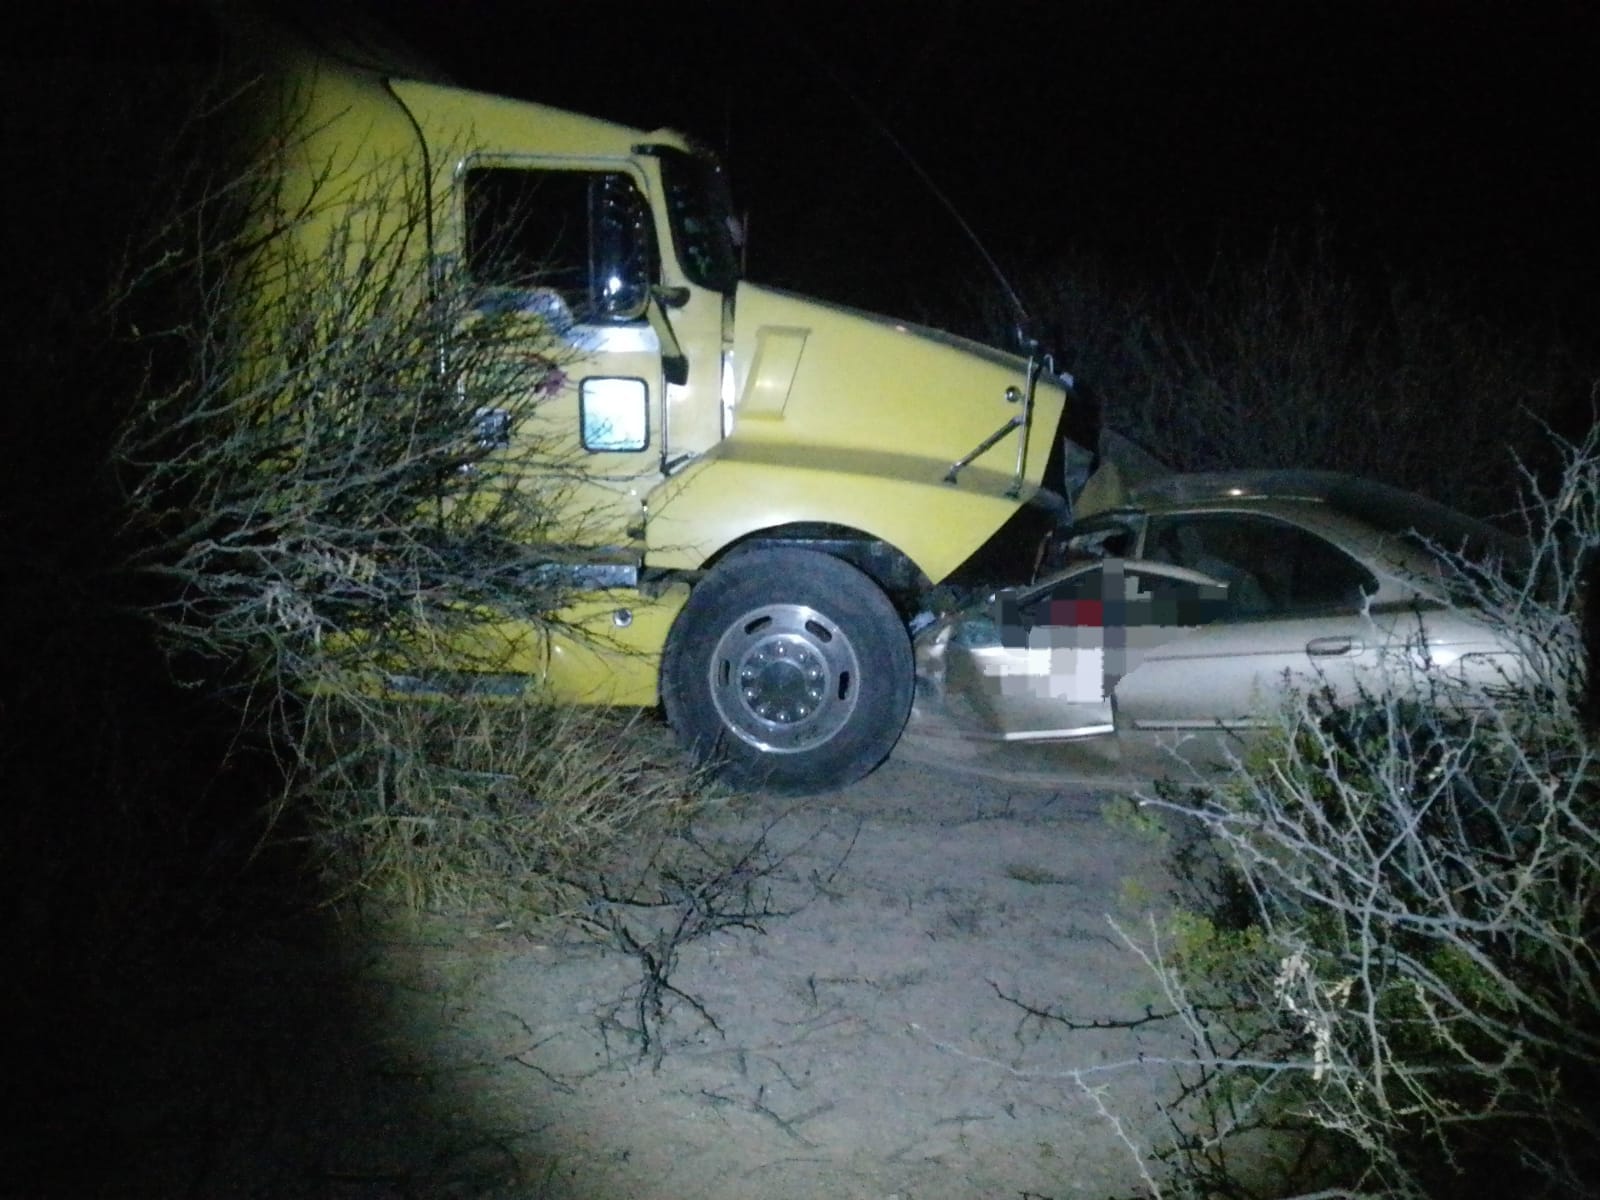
(1200, 486)
(1378, 506)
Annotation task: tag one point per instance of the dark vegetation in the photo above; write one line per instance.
(1291, 356)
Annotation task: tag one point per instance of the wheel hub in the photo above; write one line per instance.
(784, 678)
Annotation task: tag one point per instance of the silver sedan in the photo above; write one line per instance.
(1176, 618)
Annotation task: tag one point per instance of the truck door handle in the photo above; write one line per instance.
(1327, 647)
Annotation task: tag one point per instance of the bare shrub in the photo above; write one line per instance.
(686, 890)
(237, 507)
(336, 474)
(308, 479)
(1391, 978)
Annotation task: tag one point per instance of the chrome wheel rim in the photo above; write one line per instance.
(784, 678)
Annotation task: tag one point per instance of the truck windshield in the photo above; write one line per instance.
(701, 213)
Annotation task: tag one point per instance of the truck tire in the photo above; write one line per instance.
(788, 670)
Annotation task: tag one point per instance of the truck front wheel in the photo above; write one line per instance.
(788, 670)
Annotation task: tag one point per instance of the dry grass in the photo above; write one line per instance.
(475, 804)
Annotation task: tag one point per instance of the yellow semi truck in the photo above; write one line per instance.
(771, 484)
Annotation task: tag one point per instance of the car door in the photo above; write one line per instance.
(1297, 614)
(1042, 665)
(571, 248)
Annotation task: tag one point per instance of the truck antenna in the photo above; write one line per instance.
(939, 194)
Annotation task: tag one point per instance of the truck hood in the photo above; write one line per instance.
(820, 310)
(809, 373)
(852, 421)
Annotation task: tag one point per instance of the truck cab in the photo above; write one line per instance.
(761, 488)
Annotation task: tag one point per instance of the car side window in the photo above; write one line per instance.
(1077, 599)
(1119, 594)
(1271, 568)
(585, 237)
(1113, 537)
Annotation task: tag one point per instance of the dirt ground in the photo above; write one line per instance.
(864, 1048)
(845, 1033)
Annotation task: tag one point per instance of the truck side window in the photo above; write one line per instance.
(585, 236)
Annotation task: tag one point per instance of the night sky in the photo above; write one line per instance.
(1442, 143)
(1446, 143)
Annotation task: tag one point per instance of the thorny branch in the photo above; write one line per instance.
(700, 891)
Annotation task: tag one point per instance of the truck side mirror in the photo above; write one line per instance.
(674, 362)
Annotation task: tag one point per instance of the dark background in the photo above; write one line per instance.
(1449, 144)
(1446, 144)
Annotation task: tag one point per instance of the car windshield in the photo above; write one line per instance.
(700, 210)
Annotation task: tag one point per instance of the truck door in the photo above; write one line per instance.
(573, 249)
